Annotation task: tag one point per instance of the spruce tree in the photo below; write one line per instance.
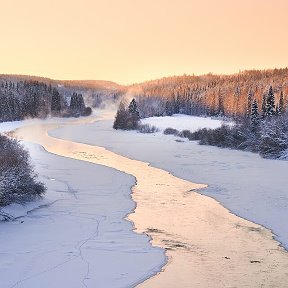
(122, 117)
(55, 101)
(133, 109)
(249, 104)
(277, 113)
(281, 108)
(270, 103)
(127, 118)
(168, 108)
(77, 103)
(134, 115)
(263, 106)
(254, 118)
(221, 111)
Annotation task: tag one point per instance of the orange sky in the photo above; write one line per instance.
(134, 40)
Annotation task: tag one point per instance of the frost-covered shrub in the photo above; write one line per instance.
(171, 131)
(274, 138)
(216, 137)
(18, 181)
(186, 134)
(147, 128)
(235, 137)
(270, 140)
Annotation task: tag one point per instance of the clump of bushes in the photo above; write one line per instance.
(18, 181)
(147, 128)
(171, 131)
(273, 139)
(269, 139)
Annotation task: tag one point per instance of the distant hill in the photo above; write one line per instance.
(80, 84)
(225, 95)
(91, 84)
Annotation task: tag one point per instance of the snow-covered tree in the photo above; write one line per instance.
(281, 108)
(249, 104)
(133, 109)
(274, 138)
(127, 118)
(122, 117)
(254, 118)
(168, 108)
(55, 101)
(270, 103)
(263, 107)
(18, 182)
(77, 103)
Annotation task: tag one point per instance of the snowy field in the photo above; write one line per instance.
(248, 185)
(182, 122)
(76, 236)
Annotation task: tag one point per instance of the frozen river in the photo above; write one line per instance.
(205, 244)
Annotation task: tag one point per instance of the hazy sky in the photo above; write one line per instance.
(134, 40)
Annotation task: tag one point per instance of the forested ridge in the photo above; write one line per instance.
(34, 99)
(211, 95)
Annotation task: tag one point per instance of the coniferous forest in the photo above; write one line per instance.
(211, 95)
(34, 99)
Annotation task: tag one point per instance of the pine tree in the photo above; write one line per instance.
(263, 106)
(127, 118)
(55, 101)
(281, 108)
(249, 104)
(221, 111)
(133, 109)
(254, 118)
(134, 115)
(122, 117)
(168, 108)
(277, 113)
(270, 103)
(77, 103)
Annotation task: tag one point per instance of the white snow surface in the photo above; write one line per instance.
(182, 122)
(248, 185)
(12, 125)
(77, 236)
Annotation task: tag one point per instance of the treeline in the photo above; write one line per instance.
(18, 181)
(31, 99)
(210, 95)
(263, 130)
(260, 111)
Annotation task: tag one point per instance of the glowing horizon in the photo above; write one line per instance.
(134, 41)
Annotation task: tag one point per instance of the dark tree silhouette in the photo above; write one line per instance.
(270, 103)
(254, 118)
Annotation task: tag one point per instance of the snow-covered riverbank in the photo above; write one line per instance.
(76, 236)
(202, 239)
(183, 122)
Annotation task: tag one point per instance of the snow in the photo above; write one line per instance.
(77, 236)
(8, 126)
(12, 125)
(182, 122)
(248, 185)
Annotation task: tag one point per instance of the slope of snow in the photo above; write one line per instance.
(8, 126)
(77, 237)
(249, 186)
(182, 122)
